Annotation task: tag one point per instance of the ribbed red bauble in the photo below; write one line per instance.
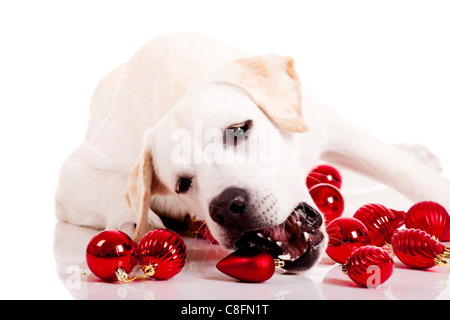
(162, 254)
(418, 249)
(379, 220)
(369, 266)
(430, 217)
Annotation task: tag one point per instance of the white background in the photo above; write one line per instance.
(383, 64)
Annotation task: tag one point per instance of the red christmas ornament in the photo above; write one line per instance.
(111, 255)
(400, 217)
(379, 220)
(199, 227)
(249, 265)
(328, 200)
(369, 266)
(345, 235)
(417, 249)
(162, 254)
(430, 217)
(324, 174)
(447, 237)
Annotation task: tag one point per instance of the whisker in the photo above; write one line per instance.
(318, 174)
(216, 207)
(341, 241)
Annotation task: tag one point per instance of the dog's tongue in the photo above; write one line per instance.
(284, 231)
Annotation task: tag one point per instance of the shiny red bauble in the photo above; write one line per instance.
(328, 200)
(379, 220)
(248, 265)
(162, 254)
(109, 253)
(417, 249)
(430, 217)
(324, 174)
(345, 235)
(369, 266)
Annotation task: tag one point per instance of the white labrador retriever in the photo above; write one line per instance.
(190, 125)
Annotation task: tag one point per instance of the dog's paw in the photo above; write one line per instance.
(129, 225)
(422, 154)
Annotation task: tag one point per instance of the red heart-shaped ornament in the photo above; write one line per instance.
(248, 265)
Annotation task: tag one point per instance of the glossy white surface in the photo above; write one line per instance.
(201, 280)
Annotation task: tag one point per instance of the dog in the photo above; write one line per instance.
(190, 125)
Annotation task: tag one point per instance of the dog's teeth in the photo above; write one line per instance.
(270, 239)
(279, 243)
(306, 236)
(286, 256)
(259, 234)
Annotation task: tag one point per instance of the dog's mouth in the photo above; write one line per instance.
(297, 241)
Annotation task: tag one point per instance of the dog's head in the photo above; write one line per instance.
(230, 150)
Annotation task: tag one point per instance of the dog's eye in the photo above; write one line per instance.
(240, 129)
(236, 131)
(183, 185)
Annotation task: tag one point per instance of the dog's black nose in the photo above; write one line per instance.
(309, 217)
(228, 208)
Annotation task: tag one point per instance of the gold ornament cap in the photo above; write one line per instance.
(149, 270)
(344, 269)
(440, 261)
(121, 275)
(278, 263)
(446, 252)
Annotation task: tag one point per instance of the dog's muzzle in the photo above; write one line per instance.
(297, 241)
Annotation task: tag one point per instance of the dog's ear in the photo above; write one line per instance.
(273, 84)
(141, 185)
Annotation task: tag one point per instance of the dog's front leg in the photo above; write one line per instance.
(350, 146)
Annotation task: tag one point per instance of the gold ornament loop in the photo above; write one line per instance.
(344, 269)
(278, 263)
(121, 275)
(149, 270)
(440, 261)
(124, 277)
(446, 253)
